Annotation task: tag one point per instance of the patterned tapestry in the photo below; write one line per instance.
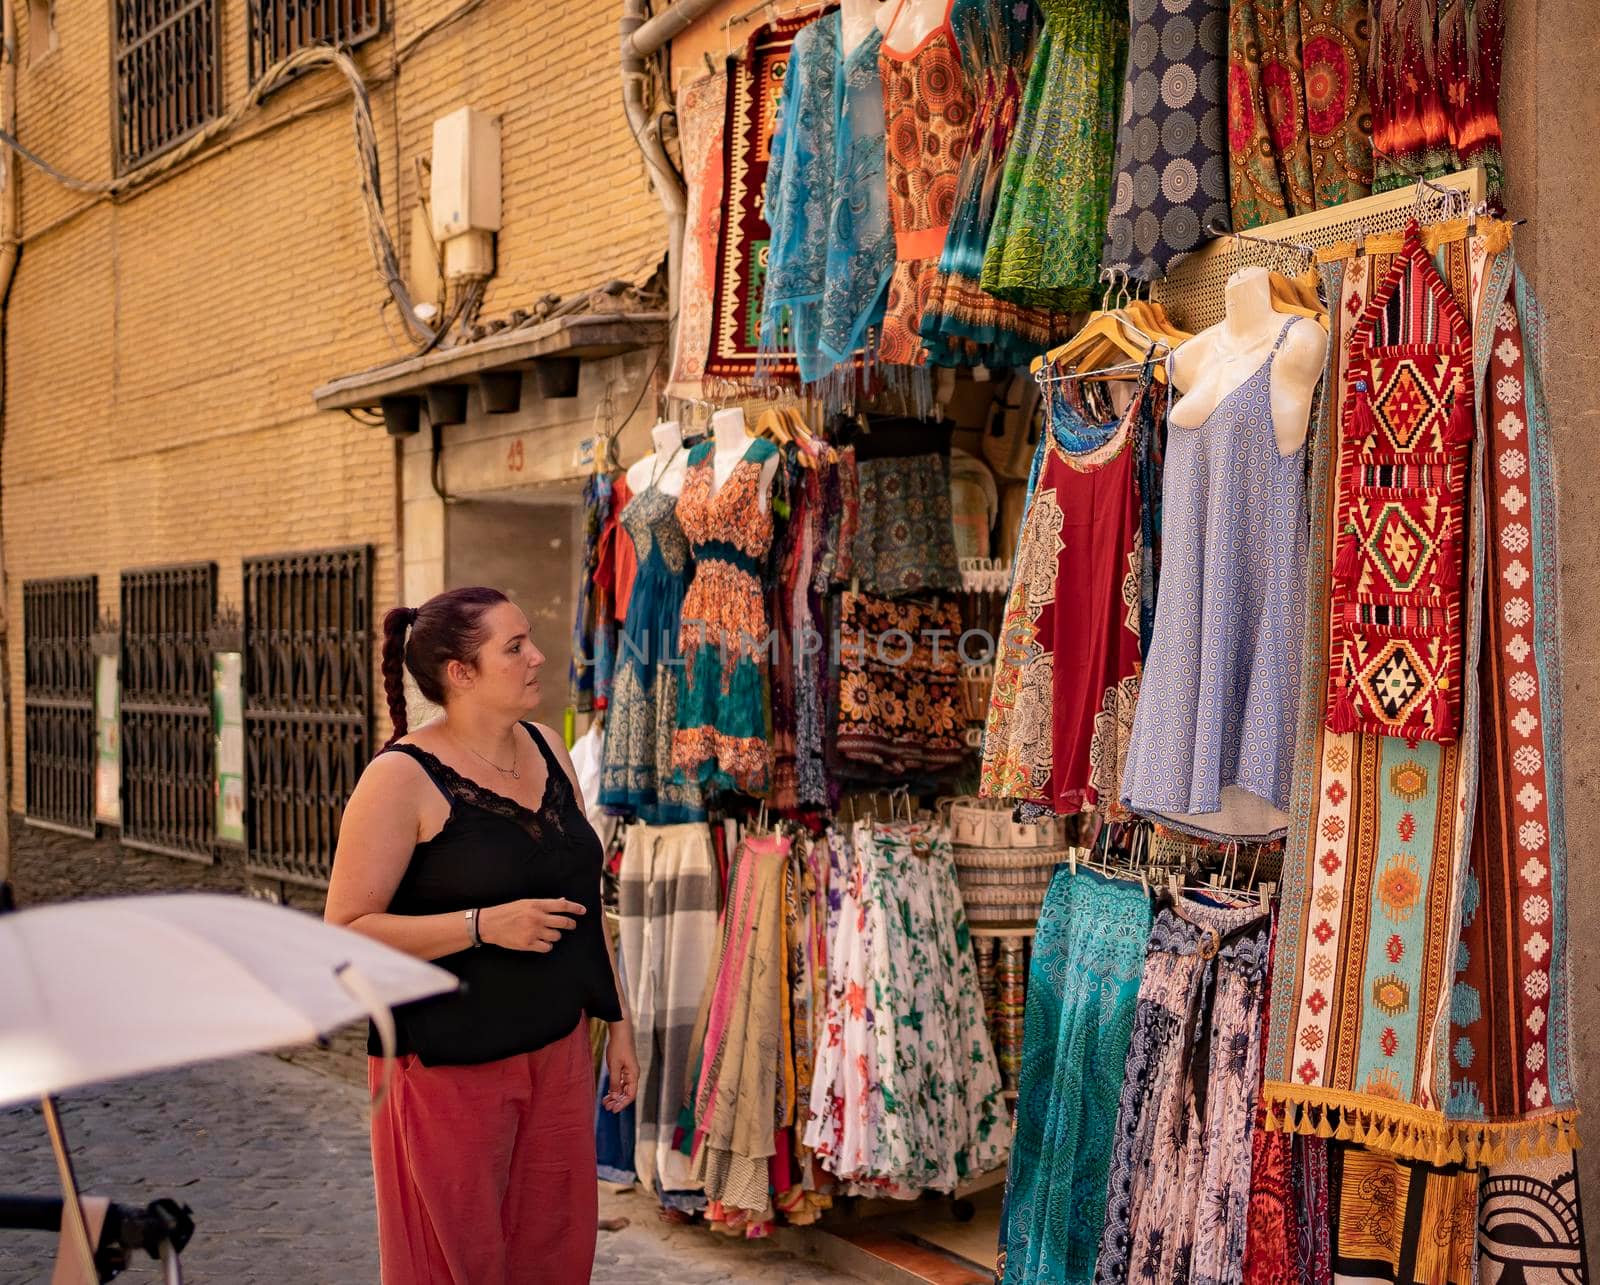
(702, 120)
(1375, 859)
(1299, 123)
(1401, 1221)
(1530, 1223)
(755, 85)
(1400, 493)
(1510, 1037)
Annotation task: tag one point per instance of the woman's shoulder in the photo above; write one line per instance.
(554, 745)
(396, 781)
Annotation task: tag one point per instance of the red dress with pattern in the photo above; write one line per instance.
(928, 109)
(1067, 670)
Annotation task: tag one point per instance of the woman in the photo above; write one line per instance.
(465, 842)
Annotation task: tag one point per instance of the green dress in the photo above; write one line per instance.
(1044, 244)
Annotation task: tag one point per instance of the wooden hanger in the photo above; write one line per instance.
(1114, 335)
(1296, 297)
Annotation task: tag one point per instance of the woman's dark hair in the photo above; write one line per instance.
(449, 626)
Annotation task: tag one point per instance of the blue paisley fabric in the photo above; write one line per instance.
(1083, 986)
(832, 250)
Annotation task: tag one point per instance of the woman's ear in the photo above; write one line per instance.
(460, 675)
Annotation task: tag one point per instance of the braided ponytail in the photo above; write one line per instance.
(449, 626)
(395, 624)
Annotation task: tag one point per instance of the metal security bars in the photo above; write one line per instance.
(279, 27)
(167, 749)
(167, 74)
(58, 623)
(308, 704)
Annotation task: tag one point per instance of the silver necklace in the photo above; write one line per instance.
(504, 771)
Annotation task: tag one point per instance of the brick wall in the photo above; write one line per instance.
(161, 349)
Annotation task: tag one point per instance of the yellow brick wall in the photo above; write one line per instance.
(161, 349)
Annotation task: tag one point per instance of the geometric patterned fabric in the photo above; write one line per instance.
(1375, 861)
(1395, 629)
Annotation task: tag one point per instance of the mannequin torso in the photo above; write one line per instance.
(727, 431)
(857, 18)
(665, 466)
(907, 23)
(1217, 361)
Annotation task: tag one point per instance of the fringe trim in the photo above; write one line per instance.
(1401, 1129)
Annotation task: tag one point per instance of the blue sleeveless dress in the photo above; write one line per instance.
(1221, 684)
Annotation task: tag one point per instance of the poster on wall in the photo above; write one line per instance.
(108, 740)
(227, 721)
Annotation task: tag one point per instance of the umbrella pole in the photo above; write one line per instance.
(71, 1207)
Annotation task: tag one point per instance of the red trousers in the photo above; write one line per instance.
(486, 1174)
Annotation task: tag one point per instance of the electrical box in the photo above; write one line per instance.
(465, 191)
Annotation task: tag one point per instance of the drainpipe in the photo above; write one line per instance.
(10, 224)
(642, 38)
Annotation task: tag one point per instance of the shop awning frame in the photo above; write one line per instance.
(551, 348)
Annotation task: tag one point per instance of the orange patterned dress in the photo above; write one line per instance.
(928, 110)
(722, 740)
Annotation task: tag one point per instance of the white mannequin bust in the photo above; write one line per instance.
(731, 443)
(907, 23)
(1220, 359)
(857, 18)
(665, 466)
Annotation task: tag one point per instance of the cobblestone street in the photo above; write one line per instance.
(270, 1152)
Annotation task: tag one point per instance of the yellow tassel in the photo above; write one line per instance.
(1324, 1129)
(1542, 1145)
(1346, 1130)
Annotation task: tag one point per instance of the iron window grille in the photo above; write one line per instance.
(167, 739)
(308, 637)
(58, 624)
(167, 74)
(279, 28)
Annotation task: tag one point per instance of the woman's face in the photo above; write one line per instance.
(508, 665)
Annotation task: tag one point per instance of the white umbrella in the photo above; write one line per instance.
(99, 990)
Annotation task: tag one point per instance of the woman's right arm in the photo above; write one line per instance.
(376, 839)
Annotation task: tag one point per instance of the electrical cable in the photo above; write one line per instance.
(385, 257)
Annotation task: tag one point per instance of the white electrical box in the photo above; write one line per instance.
(465, 192)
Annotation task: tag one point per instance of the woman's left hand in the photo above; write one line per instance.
(622, 1066)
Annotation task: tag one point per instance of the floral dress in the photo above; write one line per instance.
(1299, 122)
(928, 111)
(721, 738)
(997, 43)
(1044, 244)
(638, 777)
(906, 1095)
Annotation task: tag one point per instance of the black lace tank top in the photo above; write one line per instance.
(492, 850)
